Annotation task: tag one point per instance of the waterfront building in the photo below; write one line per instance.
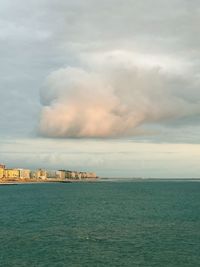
(68, 174)
(1, 173)
(51, 174)
(11, 173)
(83, 175)
(33, 175)
(91, 175)
(24, 173)
(72, 175)
(61, 174)
(78, 175)
(41, 174)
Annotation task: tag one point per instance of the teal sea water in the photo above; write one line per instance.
(100, 224)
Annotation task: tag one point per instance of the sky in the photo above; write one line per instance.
(106, 86)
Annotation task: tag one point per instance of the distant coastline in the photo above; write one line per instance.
(20, 175)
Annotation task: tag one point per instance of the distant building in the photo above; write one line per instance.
(91, 175)
(61, 174)
(51, 174)
(83, 175)
(72, 175)
(24, 173)
(1, 173)
(33, 175)
(11, 173)
(68, 175)
(2, 168)
(78, 175)
(39, 174)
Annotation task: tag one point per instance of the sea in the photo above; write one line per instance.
(107, 223)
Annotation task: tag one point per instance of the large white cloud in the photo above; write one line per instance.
(112, 98)
(40, 36)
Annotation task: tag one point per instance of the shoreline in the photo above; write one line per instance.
(16, 182)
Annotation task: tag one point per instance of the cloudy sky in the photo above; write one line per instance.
(107, 86)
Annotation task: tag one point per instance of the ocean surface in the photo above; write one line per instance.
(136, 223)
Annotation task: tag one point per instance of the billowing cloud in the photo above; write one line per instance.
(111, 42)
(111, 99)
